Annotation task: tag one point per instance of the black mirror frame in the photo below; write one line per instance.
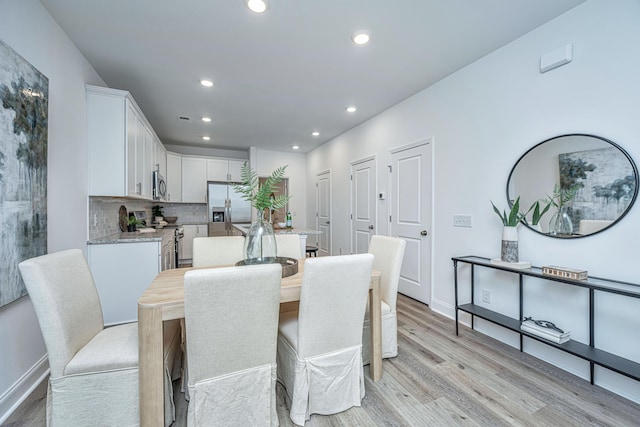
(622, 150)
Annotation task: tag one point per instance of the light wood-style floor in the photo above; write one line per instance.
(439, 379)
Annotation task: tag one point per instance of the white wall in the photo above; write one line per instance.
(265, 162)
(482, 118)
(28, 28)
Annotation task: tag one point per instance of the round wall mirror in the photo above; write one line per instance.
(582, 184)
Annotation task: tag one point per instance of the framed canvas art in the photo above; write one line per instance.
(24, 93)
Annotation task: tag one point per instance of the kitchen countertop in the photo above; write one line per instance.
(244, 228)
(135, 237)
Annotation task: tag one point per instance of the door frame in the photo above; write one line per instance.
(430, 141)
(351, 198)
(330, 227)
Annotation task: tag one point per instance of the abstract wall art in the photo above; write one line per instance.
(24, 93)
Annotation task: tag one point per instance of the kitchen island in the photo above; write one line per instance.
(302, 232)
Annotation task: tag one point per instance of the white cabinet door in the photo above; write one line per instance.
(120, 145)
(194, 180)
(217, 170)
(202, 230)
(235, 169)
(122, 272)
(174, 178)
(187, 242)
(161, 158)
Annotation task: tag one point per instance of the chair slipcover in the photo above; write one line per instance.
(94, 371)
(289, 246)
(231, 317)
(216, 251)
(388, 252)
(320, 347)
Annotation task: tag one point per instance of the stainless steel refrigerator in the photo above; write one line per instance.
(226, 206)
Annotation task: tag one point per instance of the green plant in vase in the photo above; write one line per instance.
(260, 242)
(132, 223)
(510, 221)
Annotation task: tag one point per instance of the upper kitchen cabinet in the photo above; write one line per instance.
(224, 170)
(174, 177)
(194, 180)
(121, 145)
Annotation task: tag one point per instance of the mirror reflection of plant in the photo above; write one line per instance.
(514, 217)
(537, 214)
(260, 195)
(562, 196)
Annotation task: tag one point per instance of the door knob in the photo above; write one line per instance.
(423, 232)
(371, 227)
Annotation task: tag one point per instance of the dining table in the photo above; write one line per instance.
(164, 300)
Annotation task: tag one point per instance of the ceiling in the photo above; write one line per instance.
(280, 75)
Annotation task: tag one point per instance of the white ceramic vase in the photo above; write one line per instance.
(509, 251)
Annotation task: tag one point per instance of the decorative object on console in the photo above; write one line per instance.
(260, 242)
(545, 329)
(567, 273)
(509, 251)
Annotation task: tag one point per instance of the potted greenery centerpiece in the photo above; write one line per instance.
(510, 221)
(260, 241)
(132, 222)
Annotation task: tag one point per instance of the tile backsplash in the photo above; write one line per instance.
(103, 213)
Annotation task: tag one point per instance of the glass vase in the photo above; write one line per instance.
(260, 242)
(560, 223)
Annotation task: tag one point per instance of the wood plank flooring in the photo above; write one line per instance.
(439, 379)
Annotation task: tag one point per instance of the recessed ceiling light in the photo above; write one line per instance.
(206, 119)
(206, 83)
(257, 6)
(295, 147)
(361, 37)
(315, 133)
(206, 138)
(351, 109)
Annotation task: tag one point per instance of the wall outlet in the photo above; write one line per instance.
(486, 296)
(462, 221)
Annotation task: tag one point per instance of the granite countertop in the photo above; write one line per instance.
(244, 228)
(135, 237)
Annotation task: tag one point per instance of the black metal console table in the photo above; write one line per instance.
(588, 352)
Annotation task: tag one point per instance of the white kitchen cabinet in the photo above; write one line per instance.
(122, 272)
(194, 180)
(160, 161)
(120, 145)
(191, 232)
(174, 177)
(224, 170)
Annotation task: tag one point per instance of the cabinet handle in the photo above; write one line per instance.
(371, 227)
(139, 188)
(423, 232)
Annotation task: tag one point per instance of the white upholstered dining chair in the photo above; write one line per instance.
(320, 346)
(217, 251)
(231, 317)
(94, 370)
(389, 253)
(288, 246)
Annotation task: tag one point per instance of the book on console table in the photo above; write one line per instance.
(546, 333)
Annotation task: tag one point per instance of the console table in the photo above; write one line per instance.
(588, 352)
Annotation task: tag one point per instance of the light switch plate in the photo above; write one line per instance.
(462, 221)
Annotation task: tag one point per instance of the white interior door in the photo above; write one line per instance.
(363, 204)
(410, 189)
(323, 212)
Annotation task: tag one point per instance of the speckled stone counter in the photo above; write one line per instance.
(136, 236)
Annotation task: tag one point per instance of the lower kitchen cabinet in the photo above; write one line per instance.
(191, 232)
(122, 272)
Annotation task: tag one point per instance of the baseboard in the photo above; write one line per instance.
(442, 307)
(21, 389)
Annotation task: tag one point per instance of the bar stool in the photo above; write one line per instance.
(312, 251)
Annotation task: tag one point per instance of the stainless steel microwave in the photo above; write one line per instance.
(159, 186)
